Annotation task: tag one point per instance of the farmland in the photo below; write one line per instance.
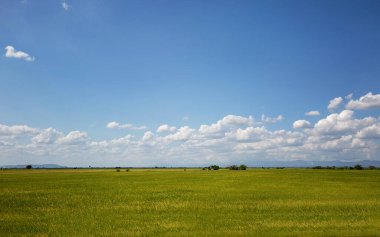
(195, 202)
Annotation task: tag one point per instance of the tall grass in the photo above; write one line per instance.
(255, 202)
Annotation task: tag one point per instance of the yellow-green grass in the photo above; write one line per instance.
(255, 202)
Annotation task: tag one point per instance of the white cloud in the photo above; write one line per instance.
(334, 103)
(65, 6)
(266, 119)
(340, 144)
(12, 53)
(230, 140)
(148, 136)
(368, 101)
(336, 124)
(47, 136)
(349, 97)
(313, 113)
(301, 124)
(16, 130)
(73, 138)
(372, 131)
(183, 133)
(225, 124)
(166, 128)
(114, 125)
(248, 134)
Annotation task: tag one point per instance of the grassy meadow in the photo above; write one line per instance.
(174, 202)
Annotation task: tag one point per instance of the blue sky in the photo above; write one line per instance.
(83, 64)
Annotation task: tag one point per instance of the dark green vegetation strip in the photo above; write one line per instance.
(256, 202)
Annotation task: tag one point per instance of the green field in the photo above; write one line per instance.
(255, 202)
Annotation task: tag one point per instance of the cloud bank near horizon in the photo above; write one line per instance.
(232, 139)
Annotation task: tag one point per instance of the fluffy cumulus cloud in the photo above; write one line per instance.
(183, 134)
(10, 52)
(16, 130)
(368, 101)
(342, 136)
(73, 138)
(166, 128)
(301, 124)
(114, 125)
(227, 123)
(342, 123)
(335, 103)
(47, 136)
(313, 113)
(370, 132)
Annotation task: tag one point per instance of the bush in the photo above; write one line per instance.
(371, 167)
(212, 167)
(117, 170)
(28, 167)
(235, 167)
(127, 170)
(358, 167)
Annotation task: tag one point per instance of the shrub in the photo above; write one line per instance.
(215, 167)
(117, 170)
(28, 167)
(371, 167)
(235, 167)
(127, 170)
(358, 167)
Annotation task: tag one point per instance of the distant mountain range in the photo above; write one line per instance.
(364, 163)
(295, 164)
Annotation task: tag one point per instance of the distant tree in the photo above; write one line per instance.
(372, 167)
(242, 167)
(29, 167)
(233, 167)
(215, 167)
(358, 167)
